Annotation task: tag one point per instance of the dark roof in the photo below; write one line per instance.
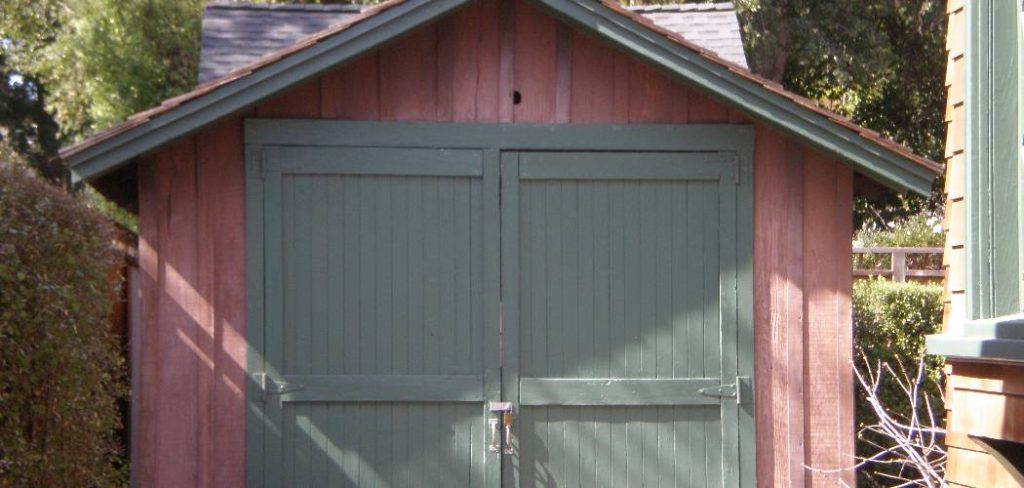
(237, 34)
(764, 101)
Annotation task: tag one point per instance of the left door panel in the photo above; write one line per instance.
(373, 352)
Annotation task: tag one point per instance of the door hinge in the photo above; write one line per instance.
(270, 386)
(740, 390)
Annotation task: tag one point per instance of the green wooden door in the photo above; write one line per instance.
(396, 292)
(375, 349)
(621, 339)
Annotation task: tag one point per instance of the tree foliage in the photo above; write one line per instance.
(879, 62)
(891, 321)
(61, 372)
(27, 131)
(98, 61)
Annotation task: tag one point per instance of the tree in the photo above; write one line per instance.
(879, 62)
(26, 129)
(98, 61)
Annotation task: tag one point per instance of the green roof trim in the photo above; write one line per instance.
(258, 86)
(997, 339)
(716, 78)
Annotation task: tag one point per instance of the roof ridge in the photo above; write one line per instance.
(287, 7)
(685, 7)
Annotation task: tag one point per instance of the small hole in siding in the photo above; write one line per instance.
(517, 98)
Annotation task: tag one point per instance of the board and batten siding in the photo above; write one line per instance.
(464, 68)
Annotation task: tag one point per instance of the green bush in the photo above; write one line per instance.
(918, 230)
(891, 321)
(61, 372)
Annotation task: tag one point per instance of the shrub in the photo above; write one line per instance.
(891, 321)
(61, 373)
(918, 230)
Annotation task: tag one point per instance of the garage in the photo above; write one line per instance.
(494, 243)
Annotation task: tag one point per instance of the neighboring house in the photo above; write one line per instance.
(493, 243)
(983, 338)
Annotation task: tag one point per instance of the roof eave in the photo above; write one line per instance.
(715, 77)
(865, 156)
(246, 91)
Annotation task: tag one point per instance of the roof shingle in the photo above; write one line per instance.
(238, 34)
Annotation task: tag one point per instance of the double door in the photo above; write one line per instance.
(447, 317)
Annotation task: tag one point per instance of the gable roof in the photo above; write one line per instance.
(864, 150)
(237, 34)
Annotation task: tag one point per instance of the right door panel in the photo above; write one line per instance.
(623, 329)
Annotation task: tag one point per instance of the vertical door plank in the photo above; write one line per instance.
(431, 262)
(446, 274)
(382, 298)
(603, 341)
(569, 274)
(464, 260)
(417, 327)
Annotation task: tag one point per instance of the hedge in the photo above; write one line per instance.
(891, 321)
(61, 371)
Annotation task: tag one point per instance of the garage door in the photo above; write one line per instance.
(623, 319)
(375, 340)
(467, 316)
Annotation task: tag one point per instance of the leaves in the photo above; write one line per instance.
(103, 60)
(61, 372)
(891, 321)
(879, 62)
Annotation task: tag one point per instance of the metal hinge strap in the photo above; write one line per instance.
(274, 387)
(740, 390)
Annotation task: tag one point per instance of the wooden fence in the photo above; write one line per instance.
(925, 263)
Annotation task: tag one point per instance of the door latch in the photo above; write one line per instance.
(500, 423)
(740, 390)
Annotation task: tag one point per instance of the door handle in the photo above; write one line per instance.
(495, 444)
(501, 423)
(507, 419)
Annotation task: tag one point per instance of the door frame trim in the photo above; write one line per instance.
(493, 140)
(738, 138)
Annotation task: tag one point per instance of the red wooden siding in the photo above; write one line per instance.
(802, 314)
(465, 69)
(191, 253)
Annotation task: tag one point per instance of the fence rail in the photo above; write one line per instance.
(898, 270)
